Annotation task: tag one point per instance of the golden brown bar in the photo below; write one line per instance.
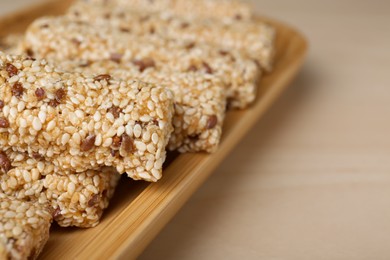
(200, 101)
(77, 199)
(82, 123)
(64, 39)
(253, 38)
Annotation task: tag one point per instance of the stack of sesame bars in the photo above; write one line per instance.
(106, 89)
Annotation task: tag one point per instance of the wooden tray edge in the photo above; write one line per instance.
(135, 244)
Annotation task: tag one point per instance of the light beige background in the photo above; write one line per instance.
(312, 179)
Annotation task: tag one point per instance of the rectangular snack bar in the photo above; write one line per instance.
(226, 10)
(76, 199)
(24, 228)
(64, 39)
(254, 38)
(82, 123)
(79, 199)
(200, 101)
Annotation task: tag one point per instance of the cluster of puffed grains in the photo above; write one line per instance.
(106, 89)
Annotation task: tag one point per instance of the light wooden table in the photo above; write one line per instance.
(312, 179)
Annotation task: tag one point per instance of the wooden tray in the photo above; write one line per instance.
(140, 210)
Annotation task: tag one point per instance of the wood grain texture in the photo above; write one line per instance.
(140, 210)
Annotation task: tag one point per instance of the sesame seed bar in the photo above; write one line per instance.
(254, 38)
(24, 228)
(226, 10)
(82, 123)
(76, 199)
(79, 199)
(200, 101)
(64, 39)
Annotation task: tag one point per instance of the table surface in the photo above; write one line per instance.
(312, 179)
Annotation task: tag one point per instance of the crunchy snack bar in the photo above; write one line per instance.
(200, 101)
(254, 38)
(77, 199)
(82, 123)
(226, 10)
(64, 39)
(24, 228)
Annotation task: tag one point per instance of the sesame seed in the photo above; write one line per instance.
(97, 116)
(17, 231)
(140, 146)
(42, 116)
(32, 220)
(51, 125)
(137, 130)
(155, 138)
(36, 124)
(65, 138)
(9, 214)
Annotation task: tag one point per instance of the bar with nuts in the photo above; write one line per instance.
(81, 123)
(24, 228)
(226, 10)
(254, 38)
(76, 199)
(64, 39)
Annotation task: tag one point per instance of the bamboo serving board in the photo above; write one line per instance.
(140, 210)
